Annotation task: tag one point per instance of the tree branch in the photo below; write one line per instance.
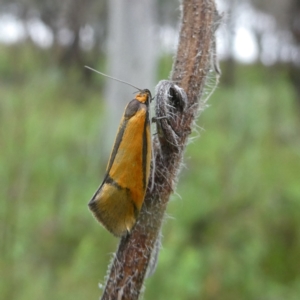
(176, 110)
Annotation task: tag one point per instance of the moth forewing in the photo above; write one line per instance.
(117, 202)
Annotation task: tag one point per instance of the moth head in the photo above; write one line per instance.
(144, 96)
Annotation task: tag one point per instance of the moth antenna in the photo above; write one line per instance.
(122, 81)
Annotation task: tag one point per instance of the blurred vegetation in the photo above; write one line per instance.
(234, 225)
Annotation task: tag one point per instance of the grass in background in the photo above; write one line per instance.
(49, 157)
(235, 231)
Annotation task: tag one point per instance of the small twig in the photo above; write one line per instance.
(176, 110)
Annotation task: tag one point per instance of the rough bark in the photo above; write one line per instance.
(176, 108)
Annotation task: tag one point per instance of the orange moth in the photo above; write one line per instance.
(118, 201)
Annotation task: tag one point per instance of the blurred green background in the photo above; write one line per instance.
(233, 226)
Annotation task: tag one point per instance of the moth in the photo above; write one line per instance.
(118, 201)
